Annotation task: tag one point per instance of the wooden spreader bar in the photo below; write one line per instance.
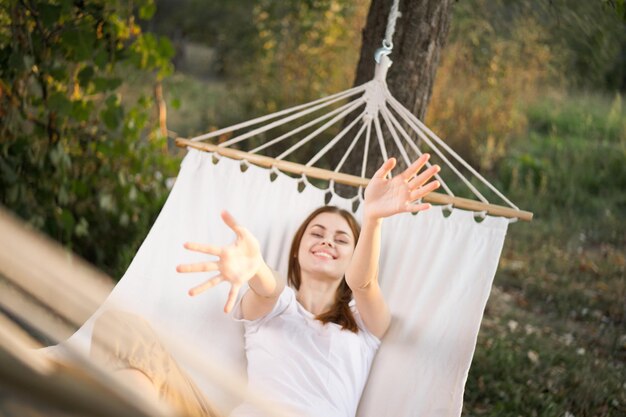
(353, 180)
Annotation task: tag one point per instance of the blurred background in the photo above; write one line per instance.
(531, 92)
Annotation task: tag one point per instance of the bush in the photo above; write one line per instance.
(76, 160)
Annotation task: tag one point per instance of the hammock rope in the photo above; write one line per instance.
(378, 103)
(417, 151)
(326, 100)
(394, 14)
(350, 148)
(423, 128)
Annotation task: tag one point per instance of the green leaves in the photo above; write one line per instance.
(78, 158)
(49, 14)
(102, 84)
(147, 10)
(619, 7)
(153, 51)
(85, 75)
(81, 110)
(16, 59)
(59, 157)
(59, 103)
(78, 42)
(113, 113)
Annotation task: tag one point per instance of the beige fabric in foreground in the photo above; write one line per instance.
(135, 345)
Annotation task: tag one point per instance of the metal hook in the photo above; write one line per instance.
(382, 51)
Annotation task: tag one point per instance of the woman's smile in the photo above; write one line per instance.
(324, 254)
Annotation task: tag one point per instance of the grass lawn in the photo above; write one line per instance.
(553, 340)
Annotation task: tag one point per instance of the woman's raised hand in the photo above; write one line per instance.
(236, 263)
(386, 197)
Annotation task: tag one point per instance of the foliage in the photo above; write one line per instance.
(75, 160)
(593, 41)
(281, 52)
(502, 56)
(553, 342)
(308, 49)
(481, 84)
(587, 40)
(203, 105)
(225, 26)
(619, 6)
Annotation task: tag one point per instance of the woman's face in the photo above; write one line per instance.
(326, 247)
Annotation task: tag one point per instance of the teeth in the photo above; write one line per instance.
(323, 254)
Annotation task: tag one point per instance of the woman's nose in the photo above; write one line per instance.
(327, 242)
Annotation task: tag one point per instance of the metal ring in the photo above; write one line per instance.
(382, 51)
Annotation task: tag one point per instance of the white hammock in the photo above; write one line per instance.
(436, 273)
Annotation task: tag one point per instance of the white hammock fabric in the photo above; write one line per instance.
(436, 273)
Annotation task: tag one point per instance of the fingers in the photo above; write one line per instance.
(206, 285)
(385, 168)
(415, 166)
(421, 179)
(232, 298)
(203, 248)
(414, 208)
(232, 223)
(199, 267)
(422, 191)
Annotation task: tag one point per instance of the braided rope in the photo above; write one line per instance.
(394, 14)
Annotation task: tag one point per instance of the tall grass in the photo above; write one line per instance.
(573, 158)
(553, 342)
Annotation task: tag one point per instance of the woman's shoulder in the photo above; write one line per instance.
(286, 299)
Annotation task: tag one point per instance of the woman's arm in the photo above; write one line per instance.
(383, 198)
(238, 263)
(362, 278)
(265, 288)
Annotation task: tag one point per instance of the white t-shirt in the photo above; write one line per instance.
(306, 367)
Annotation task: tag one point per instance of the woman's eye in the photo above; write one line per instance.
(342, 242)
(316, 234)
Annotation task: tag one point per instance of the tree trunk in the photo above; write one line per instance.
(420, 34)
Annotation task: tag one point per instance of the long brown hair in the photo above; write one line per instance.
(340, 312)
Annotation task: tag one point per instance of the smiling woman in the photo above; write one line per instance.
(322, 249)
(312, 352)
(310, 346)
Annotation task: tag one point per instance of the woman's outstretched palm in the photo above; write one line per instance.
(237, 263)
(386, 197)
